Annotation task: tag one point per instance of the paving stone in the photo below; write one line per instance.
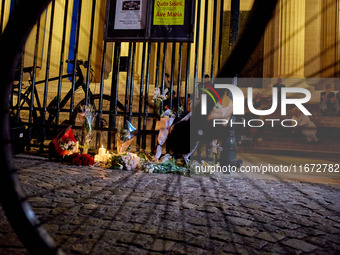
(240, 221)
(90, 210)
(300, 245)
(162, 245)
(270, 237)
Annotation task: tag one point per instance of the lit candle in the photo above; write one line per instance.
(101, 152)
(107, 157)
(77, 147)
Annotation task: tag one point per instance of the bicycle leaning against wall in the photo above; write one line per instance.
(21, 102)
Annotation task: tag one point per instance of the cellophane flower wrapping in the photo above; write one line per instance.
(88, 116)
(65, 143)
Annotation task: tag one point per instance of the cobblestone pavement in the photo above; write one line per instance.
(91, 210)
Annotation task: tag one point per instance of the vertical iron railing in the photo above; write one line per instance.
(197, 44)
(146, 97)
(33, 89)
(47, 74)
(61, 62)
(75, 59)
(132, 80)
(125, 102)
(89, 55)
(173, 64)
(114, 97)
(153, 137)
(179, 78)
(141, 91)
(101, 92)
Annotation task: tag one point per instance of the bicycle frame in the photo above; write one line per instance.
(52, 106)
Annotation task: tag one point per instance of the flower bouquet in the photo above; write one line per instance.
(78, 159)
(88, 116)
(125, 138)
(82, 160)
(158, 98)
(128, 161)
(166, 164)
(65, 143)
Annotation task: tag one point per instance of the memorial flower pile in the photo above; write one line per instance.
(64, 148)
(144, 162)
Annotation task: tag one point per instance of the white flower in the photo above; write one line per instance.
(131, 161)
(156, 93)
(165, 158)
(158, 96)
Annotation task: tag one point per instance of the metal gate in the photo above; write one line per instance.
(66, 64)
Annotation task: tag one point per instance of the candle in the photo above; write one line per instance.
(101, 152)
(107, 157)
(77, 147)
(96, 158)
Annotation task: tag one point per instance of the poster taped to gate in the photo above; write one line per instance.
(129, 15)
(169, 12)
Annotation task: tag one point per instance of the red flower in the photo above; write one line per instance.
(76, 159)
(82, 159)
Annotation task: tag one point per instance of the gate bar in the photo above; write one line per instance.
(75, 58)
(89, 55)
(206, 12)
(114, 96)
(61, 63)
(141, 92)
(198, 23)
(179, 83)
(101, 90)
(187, 82)
(173, 59)
(30, 118)
(127, 86)
(156, 111)
(132, 79)
(220, 35)
(165, 46)
(213, 43)
(146, 97)
(47, 73)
